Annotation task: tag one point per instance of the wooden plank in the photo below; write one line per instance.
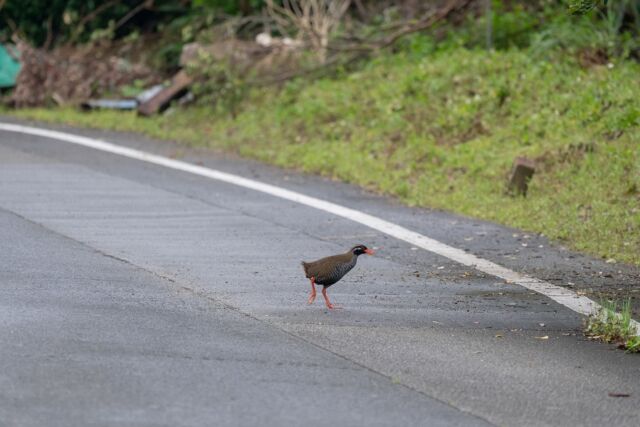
(179, 84)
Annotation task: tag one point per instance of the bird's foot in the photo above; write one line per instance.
(312, 298)
(334, 307)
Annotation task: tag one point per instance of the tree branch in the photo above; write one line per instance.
(91, 16)
(146, 4)
(358, 51)
(49, 40)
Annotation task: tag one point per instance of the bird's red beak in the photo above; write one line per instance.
(369, 252)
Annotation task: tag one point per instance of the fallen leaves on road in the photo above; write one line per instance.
(499, 336)
(546, 337)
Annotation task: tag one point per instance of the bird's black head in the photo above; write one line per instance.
(361, 249)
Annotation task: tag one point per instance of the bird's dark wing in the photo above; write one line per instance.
(328, 270)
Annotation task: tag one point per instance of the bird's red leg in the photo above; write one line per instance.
(312, 297)
(326, 300)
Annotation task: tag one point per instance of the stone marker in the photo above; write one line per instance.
(521, 174)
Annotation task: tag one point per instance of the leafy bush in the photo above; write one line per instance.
(599, 32)
(232, 7)
(46, 21)
(613, 29)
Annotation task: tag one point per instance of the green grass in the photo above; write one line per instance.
(609, 326)
(441, 130)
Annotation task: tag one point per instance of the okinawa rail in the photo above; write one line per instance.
(329, 270)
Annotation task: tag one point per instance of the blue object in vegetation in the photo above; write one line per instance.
(9, 65)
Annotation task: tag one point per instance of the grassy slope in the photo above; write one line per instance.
(442, 130)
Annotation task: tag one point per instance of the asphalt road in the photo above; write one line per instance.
(137, 295)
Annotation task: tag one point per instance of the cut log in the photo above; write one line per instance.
(521, 173)
(179, 85)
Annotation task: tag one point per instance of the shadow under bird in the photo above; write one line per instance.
(329, 270)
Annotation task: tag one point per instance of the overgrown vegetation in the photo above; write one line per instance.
(613, 327)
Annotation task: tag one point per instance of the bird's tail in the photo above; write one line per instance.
(304, 267)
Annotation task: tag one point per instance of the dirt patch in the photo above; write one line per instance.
(590, 57)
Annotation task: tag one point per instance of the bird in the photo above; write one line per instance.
(329, 270)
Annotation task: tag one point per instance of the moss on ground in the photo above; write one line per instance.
(441, 130)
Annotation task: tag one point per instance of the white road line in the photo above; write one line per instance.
(566, 297)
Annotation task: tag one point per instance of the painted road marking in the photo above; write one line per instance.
(578, 303)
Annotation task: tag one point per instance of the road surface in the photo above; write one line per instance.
(138, 295)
